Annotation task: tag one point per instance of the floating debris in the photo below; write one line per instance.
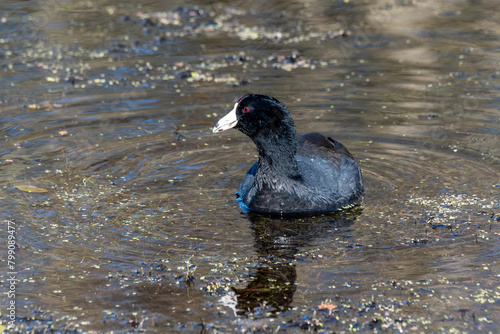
(30, 189)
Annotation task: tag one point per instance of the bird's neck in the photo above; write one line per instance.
(277, 158)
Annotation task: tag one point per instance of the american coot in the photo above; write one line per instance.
(308, 175)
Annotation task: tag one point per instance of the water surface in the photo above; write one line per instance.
(109, 106)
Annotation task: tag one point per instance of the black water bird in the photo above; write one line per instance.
(311, 174)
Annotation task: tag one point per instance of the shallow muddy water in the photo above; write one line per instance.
(131, 225)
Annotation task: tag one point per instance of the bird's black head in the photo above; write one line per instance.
(258, 116)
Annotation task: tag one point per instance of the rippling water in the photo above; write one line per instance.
(109, 107)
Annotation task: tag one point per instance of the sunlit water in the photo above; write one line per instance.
(109, 106)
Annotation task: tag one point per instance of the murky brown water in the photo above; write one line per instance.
(109, 106)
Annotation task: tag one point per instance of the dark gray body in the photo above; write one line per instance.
(329, 179)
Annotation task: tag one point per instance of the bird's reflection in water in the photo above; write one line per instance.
(278, 240)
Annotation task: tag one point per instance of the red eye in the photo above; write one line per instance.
(245, 110)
